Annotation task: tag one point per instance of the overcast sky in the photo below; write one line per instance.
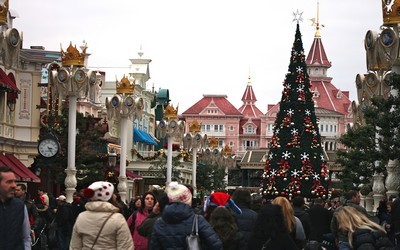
(204, 47)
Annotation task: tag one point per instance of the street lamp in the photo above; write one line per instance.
(195, 141)
(121, 107)
(171, 128)
(71, 80)
(112, 159)
(222, 157)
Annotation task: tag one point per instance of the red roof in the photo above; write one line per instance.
(219, 101)
(329, 97)
(131, 175)
(317, 55)
(21, 172)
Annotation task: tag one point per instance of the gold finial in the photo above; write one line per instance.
(249, 80)
(391, 11)
(169, 112)
(72, 57)
(195, 127)
(316, 23)
(125, 86)
(4, 13)
(213, 143)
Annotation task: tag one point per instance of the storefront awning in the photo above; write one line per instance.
(143, 137)
(7, 83)
(21, 172)
(129, 174)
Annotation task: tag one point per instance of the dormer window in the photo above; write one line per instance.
(316, 94)
(339, 95)
(250, 130)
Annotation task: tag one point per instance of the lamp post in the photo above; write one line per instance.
(171, 128)
(124, 106)
(71, 80)
(195, 141)
(222, 157)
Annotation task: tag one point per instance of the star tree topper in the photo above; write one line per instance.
(297, 16)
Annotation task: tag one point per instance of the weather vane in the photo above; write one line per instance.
(297, 16)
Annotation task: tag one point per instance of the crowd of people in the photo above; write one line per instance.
(163, 219)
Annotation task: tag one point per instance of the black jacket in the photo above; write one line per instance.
(305, 219)
(320, 218)
(365, 239)
(11, 221)
(246, 221)
(171, 229)
(282, 242)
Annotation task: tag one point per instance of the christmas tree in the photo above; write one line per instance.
(295, 163)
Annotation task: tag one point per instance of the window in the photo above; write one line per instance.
(331, 128)
(203, 127)
(221, 128)
(231, 128)
(334, 128)
(250, 129)
(216, 128)
(220, 143)
(322, 128)
(231, 144)
(208, 128)
(269, 127)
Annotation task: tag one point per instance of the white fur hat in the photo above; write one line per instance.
(99, 191)
(179, 193)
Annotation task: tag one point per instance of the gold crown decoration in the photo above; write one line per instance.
(72, 57)
(169, 112)
(391, 11)
(125, 86)
(4, 13)
(213, 143)
(227, 150)
(195, 127)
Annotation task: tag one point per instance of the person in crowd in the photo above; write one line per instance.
(146, 228)
(361, 232)
(135, 219)
(135, 204)
(224, 224)
(395, 219)
(219, 198)
(65, 221)
(125, 209)
(247, 219)
(101, 226)
(45, 211)
(20, 192)
(256, 202)
(15, 229)
(78, 205)
(313, 245)
(320, 219)
(270, 231)
(300, 212)
(353, 199)
(170, 231)
(292, 223)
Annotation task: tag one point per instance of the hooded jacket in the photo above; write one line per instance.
(171, 229)
(115, 234)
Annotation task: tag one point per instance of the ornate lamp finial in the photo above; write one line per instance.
(72, 57)
(390, 11)
(125, 86)
(169, 112)
(195, 127)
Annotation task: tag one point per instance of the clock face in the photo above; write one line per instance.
(48, 147)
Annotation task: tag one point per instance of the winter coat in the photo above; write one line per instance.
(134, 221)
(282, 242)
(64, 219)
(175, 224)
(246, 221)
(305, 219)
(115, 234)
(365, 239)
(320, 218)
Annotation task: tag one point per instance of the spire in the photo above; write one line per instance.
(317, 56)
(249, 99)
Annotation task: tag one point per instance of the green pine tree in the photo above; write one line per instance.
(295, 164)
